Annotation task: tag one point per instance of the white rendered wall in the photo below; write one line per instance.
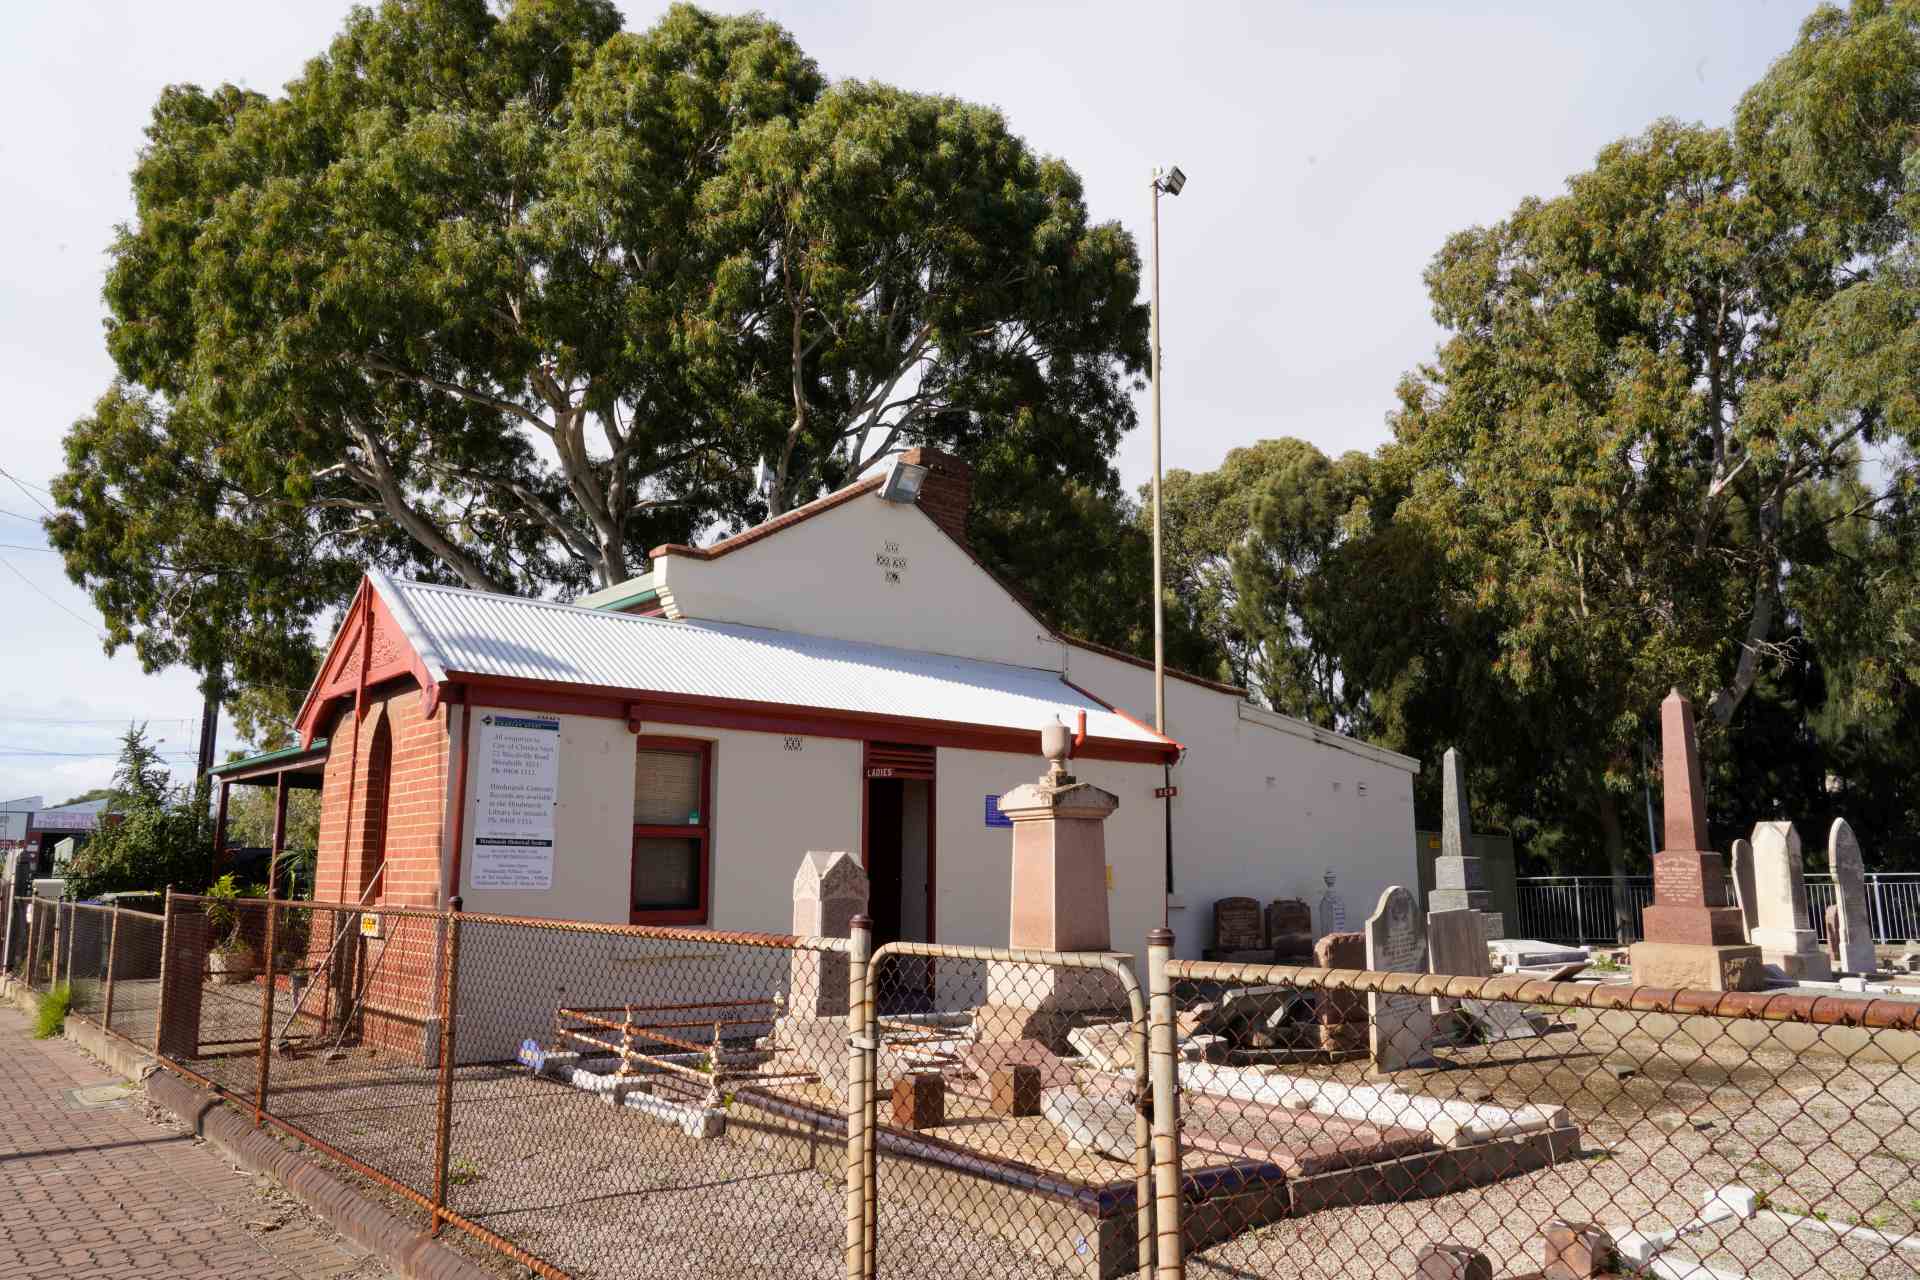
(770, 806)
(822, 577)
(592, 827)
(1264, 812)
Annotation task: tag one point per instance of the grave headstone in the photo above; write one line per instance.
(1333, 908)
(1777, 889)
(829, 890)
(1693, 937)
(1850, 895)
(1290, 928)
(1402, 1028)
(1830, 919)
(1341, 1015)
(1744, 888)
(1457, 945)
(1238, 925)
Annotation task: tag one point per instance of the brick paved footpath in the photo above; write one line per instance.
(105, 1191)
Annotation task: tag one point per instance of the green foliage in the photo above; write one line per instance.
(151, 834)
(140, 776)
(505, 295)
(1670, 439)
(50, 1015)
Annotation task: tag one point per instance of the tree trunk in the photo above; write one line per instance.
(1616, 846)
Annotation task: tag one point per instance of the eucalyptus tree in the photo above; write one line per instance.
(1643, 377)
(483, 295)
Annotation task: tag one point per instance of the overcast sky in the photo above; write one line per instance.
(1330, 148)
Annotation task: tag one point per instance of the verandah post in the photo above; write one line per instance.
(449, 991)
(1169, 1263)
(266, 1017)
(859, 948)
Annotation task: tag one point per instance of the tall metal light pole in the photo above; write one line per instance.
(1170, 183)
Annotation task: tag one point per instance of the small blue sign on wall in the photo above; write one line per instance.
(995, 818)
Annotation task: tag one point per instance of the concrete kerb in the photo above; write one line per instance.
(406, 1249)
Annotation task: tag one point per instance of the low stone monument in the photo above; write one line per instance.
(1777, 888)
(1333, 908)
(1238, 925)
(1459, 884)
(1693, 938)
(1456, 945)
(1402, 1028)
(1290, 929)
(1059, 903)
(1341, 1016)
(1850, 896)
(829, 890)
(1745, 891)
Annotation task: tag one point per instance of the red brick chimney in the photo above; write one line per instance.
(947, 492)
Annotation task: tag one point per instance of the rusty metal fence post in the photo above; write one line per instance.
(859, 1063)
(113, 957)
(1163, 1071)
(266, 1018)
(449, 998)
(166, 961)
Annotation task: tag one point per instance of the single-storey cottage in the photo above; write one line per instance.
(846, 676)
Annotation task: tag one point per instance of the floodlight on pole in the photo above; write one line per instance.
(1171, 183)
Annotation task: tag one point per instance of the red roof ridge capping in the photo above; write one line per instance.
(1126, 715)
(747, 537)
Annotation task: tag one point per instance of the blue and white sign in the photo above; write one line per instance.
(519, 785)
(995, 818)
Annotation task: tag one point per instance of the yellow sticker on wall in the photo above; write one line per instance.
(1109, 877)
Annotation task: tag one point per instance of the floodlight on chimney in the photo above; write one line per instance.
(903, 481)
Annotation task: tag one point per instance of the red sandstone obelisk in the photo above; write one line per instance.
(1693, 937)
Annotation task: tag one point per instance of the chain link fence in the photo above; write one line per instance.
(597, 1100)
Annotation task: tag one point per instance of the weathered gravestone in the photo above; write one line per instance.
(1402, 1028)
(1238, 925)
(1341, 1015)
(1850, 895)
(1745, 892)
(1777, 888)
(829, 890)
(1290, 928)
(1333, 908)
(1457, 945)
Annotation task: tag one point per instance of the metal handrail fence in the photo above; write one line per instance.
(1579, 910)
(595, 1100)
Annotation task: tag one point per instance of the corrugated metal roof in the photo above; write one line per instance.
(477, 633)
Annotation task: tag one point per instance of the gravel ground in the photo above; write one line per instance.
(604, 1192)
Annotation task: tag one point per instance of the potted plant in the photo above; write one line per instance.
(231, 957)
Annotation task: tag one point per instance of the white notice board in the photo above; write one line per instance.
(518, 783)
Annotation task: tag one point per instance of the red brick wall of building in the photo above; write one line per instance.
(414, 816)
(394, 807)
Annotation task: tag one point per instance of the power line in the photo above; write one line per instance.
(17, 546)
(21, 485)
(114, 720)
(92, 755)
(17, 516)
(15, 570)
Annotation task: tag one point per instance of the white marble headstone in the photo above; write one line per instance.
(1401, 1027)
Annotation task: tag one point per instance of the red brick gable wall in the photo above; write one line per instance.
(404, 814)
